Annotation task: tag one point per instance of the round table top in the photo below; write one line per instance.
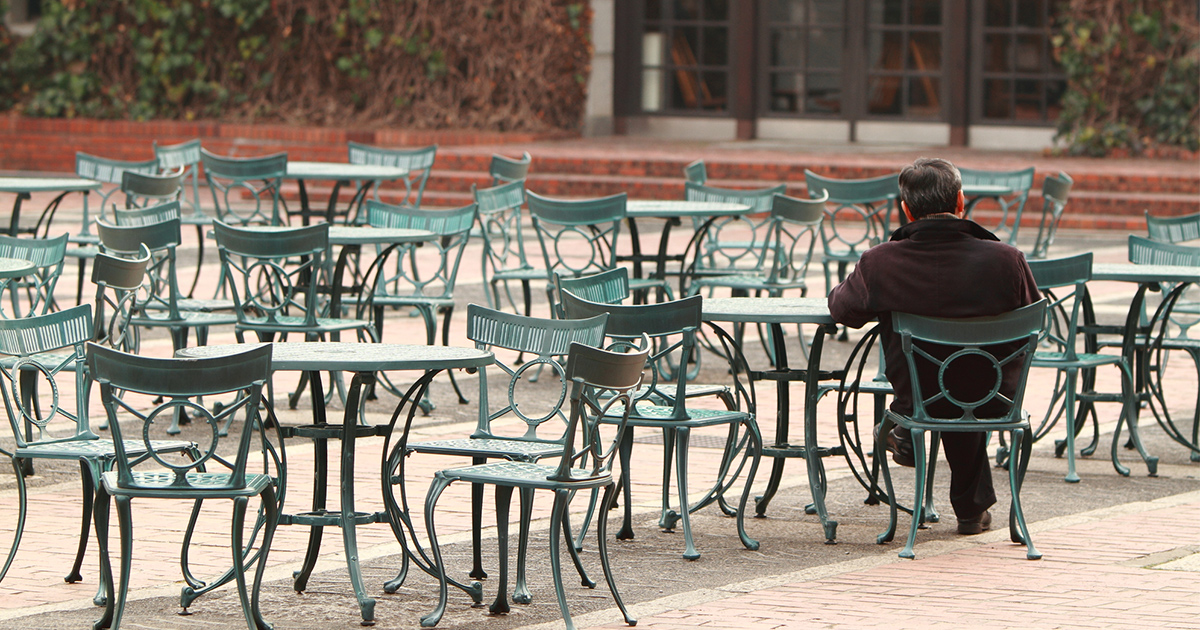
(683, 208)
(15, 267)
(345, 356)
(342, 170)
(355, 235)
(44, 184)
(1129, 272)
(767, 310)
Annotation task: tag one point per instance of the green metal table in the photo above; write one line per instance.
(24, 187)
(341, 173)
(776, 312)
(673, 211)
(364, 360)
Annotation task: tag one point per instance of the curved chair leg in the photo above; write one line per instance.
(626, 455)
(918, 440)
(584, 580)
(503, 501)
(755, 443)
(556, 516)
(668, 517)
(930, 514)
(271, 507)
(610, 494)
(682, 436)
(1016, 476)
(880, 459)
(89, 493)
(1130, 414)
(22, 508)
(593, 501)
(436, 488)
(477, 571)
(1069, 416)
(101, 515)
(239, 573)
(125, 521)
(521, 594)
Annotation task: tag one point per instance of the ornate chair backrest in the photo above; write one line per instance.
(42, 377)
(110, 172)
(148, 215)
(858, 212)
(1181, 305)
(118, 282)
(500, 224)
(232, 180)
(142, 190)
(160, 240)
(1055, 190)
(32, 294)
(419, 163)
(947, 349)
(266, 284)
(548, 341)
(183, 159)
(601, 381)
(430, 270)
(505, 169)
(1069, 276)
(792, 236)
(1173, 229)
(577, 236)
(734, 242)
(1012, 206)
(606, 287)
(696, 172)
(180, 382)
(671, 328)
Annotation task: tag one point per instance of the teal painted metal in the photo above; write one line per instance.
(967, 337)
(538, 432)
(142, 190)
(50, 348)
(106, 171)
(1012, 206)
(232, 180)
(1063, 282)
(117, 283)
(505, 169)
(1173, 229)
(419, 163)
(725, 248)
(1055, 190)
(205, 476)
(593, 375)
(696, 172)
(662, 404)
(31, 294)
(183, 159)
(858, 216)
(504, 260)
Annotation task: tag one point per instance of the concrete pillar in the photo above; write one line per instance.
(598, 111)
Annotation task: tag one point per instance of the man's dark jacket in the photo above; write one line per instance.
(939, 267)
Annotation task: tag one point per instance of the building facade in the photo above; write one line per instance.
(957, 72)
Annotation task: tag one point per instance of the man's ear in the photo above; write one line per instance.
(904, 208)
(960, 208)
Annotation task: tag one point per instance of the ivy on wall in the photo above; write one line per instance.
(488, 64)
(1133, 71)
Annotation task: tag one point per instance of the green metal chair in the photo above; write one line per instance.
(110, 172)
(593, 375)
(421, 277)
(511, 428)
(1064, 283)
(118, 281)
(696, 172)
(183, 159)
(504, 259)
(1011, 206)
(45, 389)
(579, 236)
(505, 169)
(1169, 330)
(34, 293)
(1055, 190)
(730, 245)
(985, 345)
(1178, 229)
(858, 216)
(419, 163)
(143, 190)
(233, 180)
(214, 473)
(662, 404)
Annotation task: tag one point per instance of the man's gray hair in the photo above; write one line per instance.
(930, 186)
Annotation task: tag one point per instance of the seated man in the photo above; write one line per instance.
(937, 265)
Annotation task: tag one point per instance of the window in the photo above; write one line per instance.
(803, 57)
(685, 56)
(1019, 79)
(905, 48)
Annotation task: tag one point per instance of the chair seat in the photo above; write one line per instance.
(87, 251)
(488, 447)
(977, 426)
(300, 324)
(1082, 360)
(201, 305)
(525, 474)
(74, 449)
(47, 360)
(189, 318)
(203, 485)
(413, 300)
(519, 274)
(689, 391)
(646, 414)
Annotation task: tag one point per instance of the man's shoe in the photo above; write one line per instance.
(976, 525)
(900, 447)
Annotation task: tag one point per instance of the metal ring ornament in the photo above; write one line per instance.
(559, 371)
(278, 286)
(563, 259)
(17, 367)
(197, 412)
(963, 353)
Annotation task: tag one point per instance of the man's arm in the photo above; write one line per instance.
(849, 302)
